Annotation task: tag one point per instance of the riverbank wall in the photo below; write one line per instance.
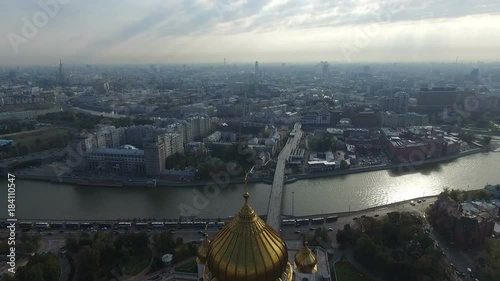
(402, 167)
(431, 198)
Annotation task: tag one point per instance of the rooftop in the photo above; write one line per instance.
(120, 151)
(4, 142)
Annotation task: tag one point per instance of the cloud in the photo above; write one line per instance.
(157, 29)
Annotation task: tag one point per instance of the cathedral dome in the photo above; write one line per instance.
(247, 249)
(305, 260)
(203, 251)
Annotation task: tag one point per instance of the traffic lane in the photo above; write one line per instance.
(192, 232)
(460, 260)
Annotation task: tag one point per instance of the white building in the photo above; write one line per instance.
(118, 160)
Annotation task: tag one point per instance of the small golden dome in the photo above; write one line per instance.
(305, 260)
(247, 249)
(203, 251)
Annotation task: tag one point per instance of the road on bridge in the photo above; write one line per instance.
(276, 196)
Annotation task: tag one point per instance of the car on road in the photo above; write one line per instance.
(312, 228)
(354, 218)
(376, 215)
(419, 201)
(412, 203)
(297, 231)
(330, 229)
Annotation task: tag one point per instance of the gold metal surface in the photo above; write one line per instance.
(247, 249)
(203, 251)
(305, 260)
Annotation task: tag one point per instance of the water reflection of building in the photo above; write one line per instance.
(247, 249)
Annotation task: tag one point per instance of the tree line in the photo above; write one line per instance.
(395, 247)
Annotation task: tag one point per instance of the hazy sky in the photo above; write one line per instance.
(171, 31)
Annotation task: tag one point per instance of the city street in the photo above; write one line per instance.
(53, 240)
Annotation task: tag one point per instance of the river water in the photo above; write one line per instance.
(43, 200)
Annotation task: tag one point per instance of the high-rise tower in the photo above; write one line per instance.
(61, 72)
(325, 68)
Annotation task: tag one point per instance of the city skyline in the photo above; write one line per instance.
(205, 31)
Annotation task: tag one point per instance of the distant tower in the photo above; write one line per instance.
(256, 68)
(61, 71)
(325, 68)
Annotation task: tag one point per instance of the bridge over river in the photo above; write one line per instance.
(276, 197)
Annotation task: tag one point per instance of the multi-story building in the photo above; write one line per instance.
(154, 156)
(319, 118)
(397, 103)
(173, 144)
(214, 137)
(82, 144)
(110, 136)
(437, 98)
(28, 114)
(117, 160)
(79, 147)
(183, 128)
(201, 126)
(468, 224)
(391, 119)
(135, 135)
(401, 149)
(355, 133)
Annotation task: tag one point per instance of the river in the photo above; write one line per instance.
(44, 200)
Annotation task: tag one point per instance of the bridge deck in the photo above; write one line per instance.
(276, 197)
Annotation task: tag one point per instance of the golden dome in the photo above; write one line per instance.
(247, 249)
(203, 251)
(305, 260)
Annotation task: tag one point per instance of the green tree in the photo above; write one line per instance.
(491, 268)
(456, 195)
(72, 243)
(164, 242)
(89, 261)
(40, 267)
(179, 241)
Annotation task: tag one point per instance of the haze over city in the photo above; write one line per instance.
(207, 31)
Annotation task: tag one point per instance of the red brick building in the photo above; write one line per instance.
(465, 224)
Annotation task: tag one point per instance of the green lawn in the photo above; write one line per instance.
(38, 140)
(138, 263)
(346, 272)
(191, 267)
(29, 138)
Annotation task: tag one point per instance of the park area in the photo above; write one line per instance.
(346, 272)
(38, 140)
